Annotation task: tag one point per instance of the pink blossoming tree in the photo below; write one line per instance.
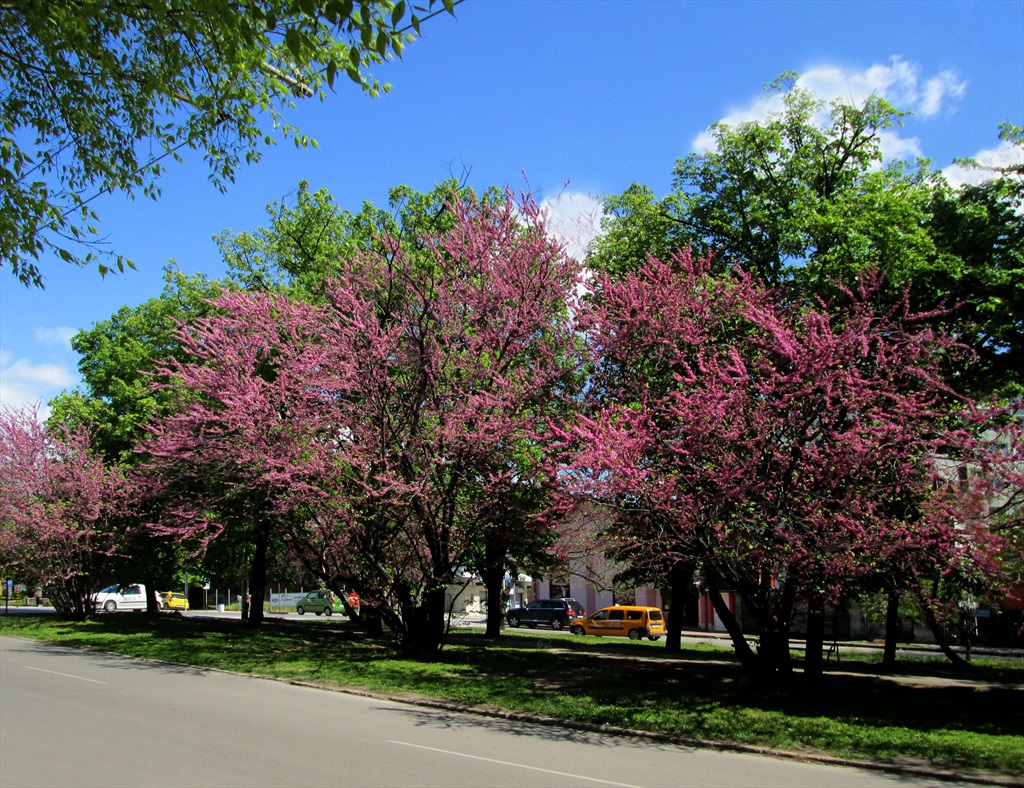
(61, 510)
(374, 433)
(783, 450)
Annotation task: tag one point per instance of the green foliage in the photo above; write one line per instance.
(979, 229)
(119, 355)
(802, 197)
(299, 251)
(638, 225)
(97, 96)
(796, 195)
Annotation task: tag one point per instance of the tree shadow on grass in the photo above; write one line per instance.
(517, 727)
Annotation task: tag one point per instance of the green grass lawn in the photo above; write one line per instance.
(699, 694)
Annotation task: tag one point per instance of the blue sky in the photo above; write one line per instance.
(581, 98)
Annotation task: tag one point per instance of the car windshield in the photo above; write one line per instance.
(109, 589)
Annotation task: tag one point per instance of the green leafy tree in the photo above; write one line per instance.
(804, 198)
(980, 230)
(797, 195)
(308, 237)
(96, 97)
(638, 225)
(117, 359)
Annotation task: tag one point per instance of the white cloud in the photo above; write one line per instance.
(893, 146)
(898, 82)
(1003, 156)
(60, 335)
(24, 383)
(937, 89)
(573, 219)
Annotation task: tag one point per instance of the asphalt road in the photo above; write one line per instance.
(80, 718)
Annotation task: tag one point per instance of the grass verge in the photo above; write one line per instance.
(699, 694)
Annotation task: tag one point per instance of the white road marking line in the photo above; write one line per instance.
(66, 675)
(517, 765)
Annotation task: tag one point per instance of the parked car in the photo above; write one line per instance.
(556, 613)
(121, 597)
(174, 600)
(623, 621)
(319, 602)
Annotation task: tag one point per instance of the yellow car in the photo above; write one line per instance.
(624, 621)
(175, 601)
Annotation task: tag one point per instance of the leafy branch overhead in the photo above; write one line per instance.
(96, 97)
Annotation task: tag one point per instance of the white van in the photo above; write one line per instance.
(121, 597)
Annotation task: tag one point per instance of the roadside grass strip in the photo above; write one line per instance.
(699, 694)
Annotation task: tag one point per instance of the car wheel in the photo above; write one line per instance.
(556, 623)
(327, 611)
(636, 634)
(513, 621)
(300, 610)
(577, 630)
(110, 605)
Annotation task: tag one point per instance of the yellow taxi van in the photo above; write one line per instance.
(629, 621)
(175, 601)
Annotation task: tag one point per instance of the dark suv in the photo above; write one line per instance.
(556, 613)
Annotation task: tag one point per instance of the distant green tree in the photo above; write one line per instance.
(117, 359)
(980, 230)
(639, 225)
(787, 197)
(96, 96)
(803, 198)
(302, 247)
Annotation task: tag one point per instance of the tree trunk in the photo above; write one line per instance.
(371, 621)
(152, 602)
(72, 600)
(493, 575)
(773, 653)
(892, 624)
(258, 576)
(940, 637)
(744, 652)
(425, 623)
(494, 583)
(815, 639)
(680, 583)
(774, 660)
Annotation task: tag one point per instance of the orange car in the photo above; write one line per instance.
(623, 621)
